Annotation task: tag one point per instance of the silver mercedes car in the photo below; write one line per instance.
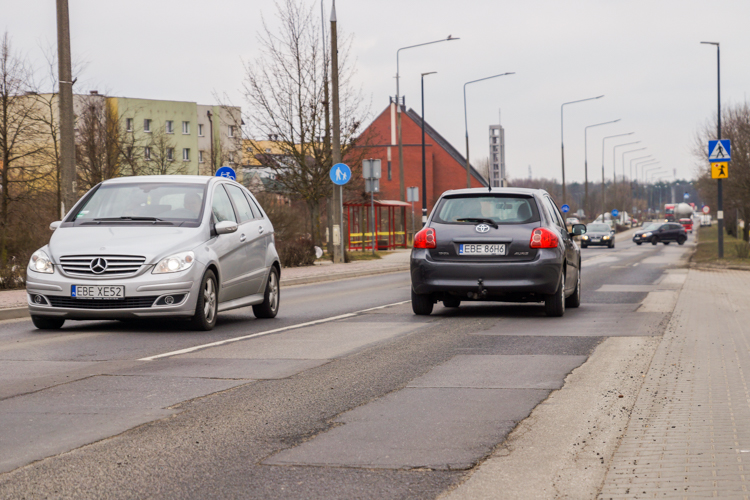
(141, 247)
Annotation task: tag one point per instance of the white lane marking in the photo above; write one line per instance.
(268, 332)
(636, 264)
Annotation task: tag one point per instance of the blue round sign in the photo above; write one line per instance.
(227, 172)
(615, 213)
(565, 208)
(340, 174)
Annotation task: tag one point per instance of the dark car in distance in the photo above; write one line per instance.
(598, 234)
(507, 245)
(664, 232)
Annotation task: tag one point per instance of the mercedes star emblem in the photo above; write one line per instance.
(482, 228)
(99, 265)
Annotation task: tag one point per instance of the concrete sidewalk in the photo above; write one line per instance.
(689, 433)
(13, 302)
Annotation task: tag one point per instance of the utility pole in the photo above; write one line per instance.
(67, 137)
(338, 195)
(327, 136)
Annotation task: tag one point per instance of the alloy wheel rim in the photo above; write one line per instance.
(273, 295)
(209, 301)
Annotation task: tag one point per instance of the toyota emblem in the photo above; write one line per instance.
(98, 265)
(482, 228)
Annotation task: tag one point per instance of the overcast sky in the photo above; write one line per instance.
(644, 56)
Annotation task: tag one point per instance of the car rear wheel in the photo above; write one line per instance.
(554, 305)
(421, 304)
(654, 240)
(451, 302)
(47, 323)
(575, 300)
(269, 308)
(681, 240)
(207, 304)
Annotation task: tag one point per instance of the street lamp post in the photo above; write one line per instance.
(424, 168)
(622, 161)
(402, 186)
(643, 168)
(562, 140)
(639, 164)
(630, 179)
(604, 191)
(719, 200)
(466, 125)
(586, 160)
(631, 165)
(614, 163)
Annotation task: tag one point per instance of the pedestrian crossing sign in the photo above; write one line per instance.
(719, 170)
(719, 150)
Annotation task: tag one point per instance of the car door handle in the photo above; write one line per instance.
(243, 237)
(260, 229)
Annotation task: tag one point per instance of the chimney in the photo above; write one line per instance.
(94, 92)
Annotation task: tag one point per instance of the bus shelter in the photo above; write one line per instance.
(390, 225)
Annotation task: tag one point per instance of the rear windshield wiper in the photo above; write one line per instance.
(127, 217)
(486, 221)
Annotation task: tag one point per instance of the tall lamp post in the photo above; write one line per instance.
(643, 168)
(424, 168)
(586, 159)
(631, 165)
(622, 160)
(604, 190)
(630, 179)
(614, 168)
(402, 186)
(720, 197)
(466, 124)
(562, 140)
(637, 166)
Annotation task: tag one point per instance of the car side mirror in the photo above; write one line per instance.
(611, 231)
(578, 229)
(226, 227)
(55, 225)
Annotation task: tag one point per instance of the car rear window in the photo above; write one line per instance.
(501, 209)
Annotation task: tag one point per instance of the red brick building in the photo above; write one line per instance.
(445, 167)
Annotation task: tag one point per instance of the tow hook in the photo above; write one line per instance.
(482, 290)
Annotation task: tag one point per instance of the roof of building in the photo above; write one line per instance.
(443, 143)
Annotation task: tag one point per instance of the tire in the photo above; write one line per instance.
(575, 300)
(451, 302)
(681, 240)
(666, 242)
(421, 304)
(207, 305)
(654, 241)
(47, 323)
(639, 243)
(610, 245)
(554, 305)
(269, 308)
(584, 246)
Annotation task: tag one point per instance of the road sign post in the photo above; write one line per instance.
(720, 154)
(412, 195)
(340, 174)
(371, 172)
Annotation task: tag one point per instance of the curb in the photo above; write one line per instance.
(344, 275)
(14, 313)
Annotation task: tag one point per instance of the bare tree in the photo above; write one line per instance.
(21, 137)
(162, 155)
(285, 91)
(98, 147)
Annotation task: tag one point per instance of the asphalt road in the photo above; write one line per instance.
(346, 395)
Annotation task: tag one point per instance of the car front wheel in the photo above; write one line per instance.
(269, 308)
(207, 304)
(654, 241)
(47, 323)
(554, 305)
(421, 304)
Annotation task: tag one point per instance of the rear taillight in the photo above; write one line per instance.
(543, 238)
(426, 238)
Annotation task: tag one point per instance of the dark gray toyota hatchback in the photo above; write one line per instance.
(507, 245)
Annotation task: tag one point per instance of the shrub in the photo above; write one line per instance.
(295, 252)
(743, 249)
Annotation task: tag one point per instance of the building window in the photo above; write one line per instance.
(230, 157)
(170, 154)
(185, 154)
(200, 157)
(129, 152)
(231, 130)
(390, 176)
(147, 125)
(170, 127)
(129, 124)
(200, 129)
(186, 128)
(147, 153)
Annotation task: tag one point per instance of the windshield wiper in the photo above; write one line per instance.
(127, 217)
(486, 221)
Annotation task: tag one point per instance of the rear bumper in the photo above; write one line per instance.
(513, 280)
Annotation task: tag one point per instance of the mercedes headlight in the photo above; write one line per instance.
(646, 235)
(41, 263)
(175, 263)
(584, 237)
